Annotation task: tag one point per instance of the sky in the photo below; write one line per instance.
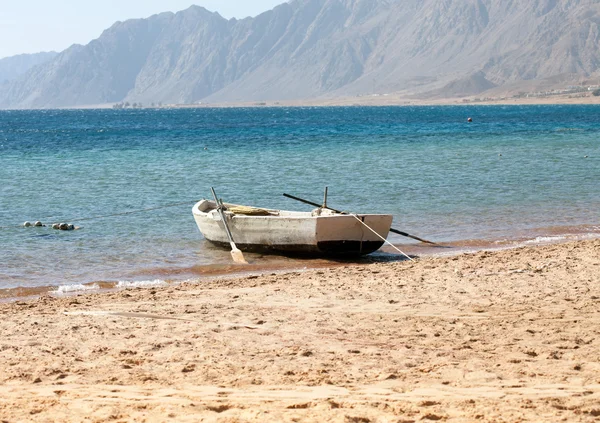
(33, 26)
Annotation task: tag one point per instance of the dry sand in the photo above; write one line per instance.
(504, 336)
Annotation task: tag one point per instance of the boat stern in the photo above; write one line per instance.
(349, 235)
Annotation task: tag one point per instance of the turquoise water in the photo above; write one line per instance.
(515, 172)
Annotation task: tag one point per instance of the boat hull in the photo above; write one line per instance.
(295, 233)
(321, 249)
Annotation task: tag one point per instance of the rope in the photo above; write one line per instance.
(382, 238)
(131, 212)
(83, 219)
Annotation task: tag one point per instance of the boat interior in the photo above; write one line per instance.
(208, 206)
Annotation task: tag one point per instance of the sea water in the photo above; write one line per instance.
(525, 173)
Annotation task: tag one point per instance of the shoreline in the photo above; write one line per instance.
(363, 101)
(396, 101)
(260, 264)
(508, 335)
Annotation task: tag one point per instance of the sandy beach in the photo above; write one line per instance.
(505, 336)
(379, 100)
(387, 100)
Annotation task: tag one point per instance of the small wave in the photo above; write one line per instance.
(141, 284)
(546, 239)
(561, 238)
(69, 289)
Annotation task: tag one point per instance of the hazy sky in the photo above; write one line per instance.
(32, 26)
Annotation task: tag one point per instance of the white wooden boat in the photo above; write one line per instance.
(320, 232)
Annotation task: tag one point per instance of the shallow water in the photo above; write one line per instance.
(516, 174)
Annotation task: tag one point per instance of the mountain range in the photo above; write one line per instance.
(309, 49)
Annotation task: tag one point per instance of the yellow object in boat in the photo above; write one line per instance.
(249, 211)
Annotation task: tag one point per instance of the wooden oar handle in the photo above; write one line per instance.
(396, 231)
(220, 210)
(313, 204)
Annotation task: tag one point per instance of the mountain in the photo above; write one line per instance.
(12, 67)
(307, 49)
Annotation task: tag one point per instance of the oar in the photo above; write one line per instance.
(396, 231)
(237, 255)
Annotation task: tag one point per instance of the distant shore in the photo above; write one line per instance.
(379, 101)
(490, 336)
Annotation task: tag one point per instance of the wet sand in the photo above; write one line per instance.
(509, 335)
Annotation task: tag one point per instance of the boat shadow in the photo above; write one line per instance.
(378, 257)
(308, 259)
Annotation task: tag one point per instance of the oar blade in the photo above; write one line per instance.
(237, 255)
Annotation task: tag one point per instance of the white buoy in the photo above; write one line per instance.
(38, 223)
(56, 226)
(27, 224)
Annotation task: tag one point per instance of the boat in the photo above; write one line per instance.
(320, 232)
